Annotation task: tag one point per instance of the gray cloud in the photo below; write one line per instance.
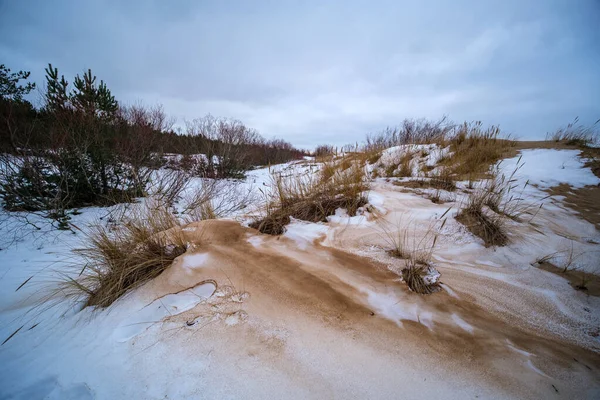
(313, 73)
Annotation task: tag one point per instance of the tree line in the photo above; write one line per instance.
(82, 147)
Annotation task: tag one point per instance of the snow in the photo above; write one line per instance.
(272, 352)
(195, 260)
(462, 323)
(551, 167)
(391, 307)
(169, 305)
(341, 217)
(304, 233)
(422, 155)
(255, 241)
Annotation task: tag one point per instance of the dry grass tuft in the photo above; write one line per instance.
(443, 179)
(497, 198)
(419, 273)
(404, 168)
(120, 258)
(576, 134)
(313, 197)
(474, 149)
(418, 277)
(490, 228)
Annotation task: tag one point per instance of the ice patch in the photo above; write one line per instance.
(450, 291)
(391, 308)
(255, 241)
(341, 217)
(488, 263)
(516, 349)
(169, 305)
(304, 233)
(50, 389)
(464, 325)
(536, 369)
(196, 260)
(529, 363)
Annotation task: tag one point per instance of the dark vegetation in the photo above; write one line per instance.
(81, 147)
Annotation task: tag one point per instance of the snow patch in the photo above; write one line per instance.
(341, 217)
(304, 233)
(255, 241)
(551, 167)
(464, 325)
(196, 260)
(169, 305)
(392, 308)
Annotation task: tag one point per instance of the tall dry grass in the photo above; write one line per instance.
(312, 197)
(416, 248)
(577, 134)
(486, 208)
(474, 149)
(120, 257)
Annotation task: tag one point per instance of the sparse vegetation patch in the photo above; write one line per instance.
(121, 257)
(312, 198)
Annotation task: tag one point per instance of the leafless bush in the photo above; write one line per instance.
(324, 150)
(225, 146)
(167, 185)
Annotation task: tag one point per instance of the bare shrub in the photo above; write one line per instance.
(198, 199)
(167, 185)
(324, 150)
(226, 144)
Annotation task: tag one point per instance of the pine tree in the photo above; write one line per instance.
(10, 89)
(92, 99)
(56, 93)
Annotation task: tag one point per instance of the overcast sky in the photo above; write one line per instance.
(312, 73)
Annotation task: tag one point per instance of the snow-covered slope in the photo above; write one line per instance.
(320, 311)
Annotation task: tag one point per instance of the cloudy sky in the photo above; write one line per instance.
(325, 72)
